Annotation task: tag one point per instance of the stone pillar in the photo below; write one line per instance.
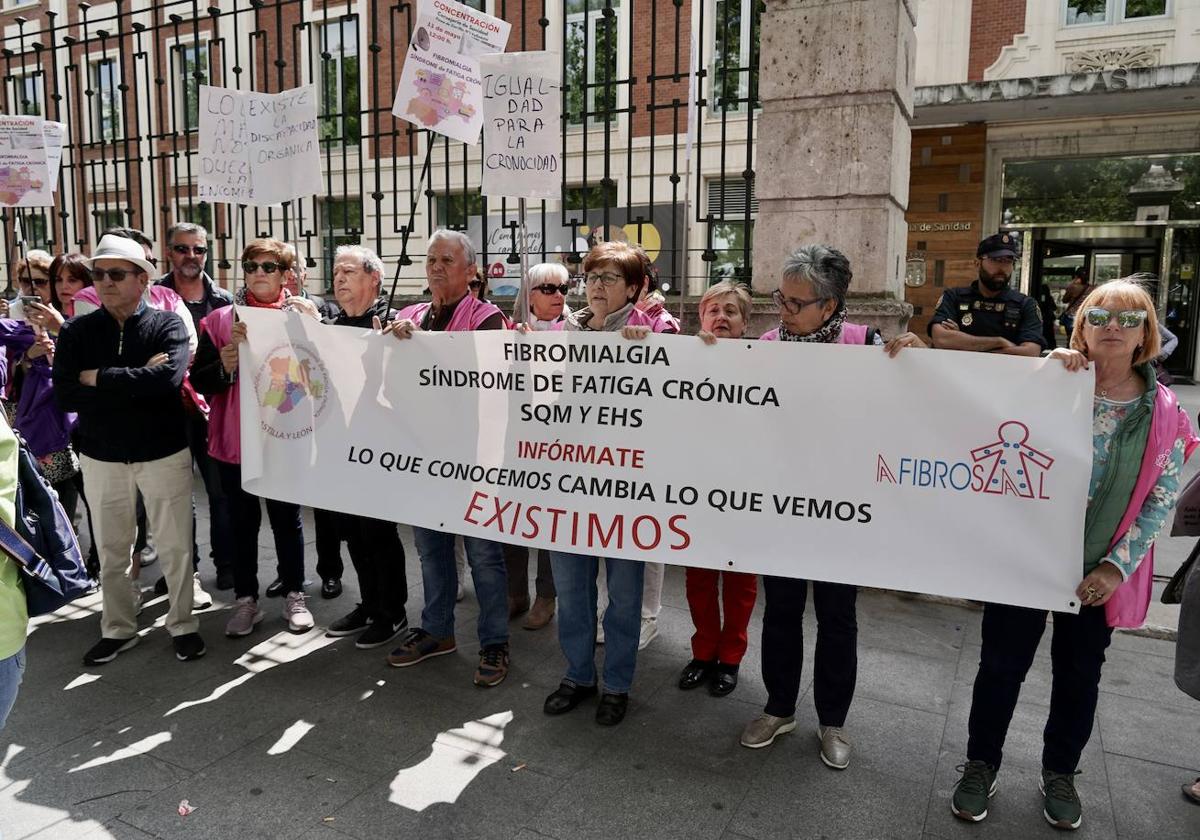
(833, 144)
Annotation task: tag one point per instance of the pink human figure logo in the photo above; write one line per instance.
(1015, 466)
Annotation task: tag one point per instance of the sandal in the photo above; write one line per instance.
(1190, 794)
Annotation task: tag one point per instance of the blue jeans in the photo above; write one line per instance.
(575, 581)
(11, 671)
(440, 579)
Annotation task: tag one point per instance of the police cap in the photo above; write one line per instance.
(999, 245)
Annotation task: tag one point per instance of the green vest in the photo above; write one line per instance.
(1111, 499)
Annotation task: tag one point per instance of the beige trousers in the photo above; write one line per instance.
(166, 486)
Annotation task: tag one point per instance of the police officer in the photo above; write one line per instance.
(987, 316)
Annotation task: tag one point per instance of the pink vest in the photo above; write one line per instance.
(224, 419)
(637, 318)
(1131, 600)
(851, 334)
(468, 314)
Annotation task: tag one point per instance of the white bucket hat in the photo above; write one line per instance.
(113, 247)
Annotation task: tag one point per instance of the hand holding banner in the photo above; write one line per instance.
(958, 474)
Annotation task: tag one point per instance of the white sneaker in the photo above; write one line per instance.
(201, 600)
(649, 631)
(135, 587)
(298, 617)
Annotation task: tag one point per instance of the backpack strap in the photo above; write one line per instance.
(15, 546)
(871, 333)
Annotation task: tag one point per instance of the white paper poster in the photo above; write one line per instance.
(56, 137)
(258, 148)
(24, 173)
(440, 86)
(522, 111)
(958, 474)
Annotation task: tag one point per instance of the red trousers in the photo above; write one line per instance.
(713, 641)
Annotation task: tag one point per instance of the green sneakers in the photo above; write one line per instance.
(1060, 805)
(973, 790)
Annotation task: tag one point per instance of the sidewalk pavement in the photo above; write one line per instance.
(302, 737)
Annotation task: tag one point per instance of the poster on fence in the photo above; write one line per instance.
(258, 148)
(957, 474)
(24, 172)
(521, 132)
(56, 137)
(440, 86)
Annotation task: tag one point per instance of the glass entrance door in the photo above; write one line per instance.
(1181, 311)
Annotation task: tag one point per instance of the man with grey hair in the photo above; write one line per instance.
(449, 269)
(375, 547)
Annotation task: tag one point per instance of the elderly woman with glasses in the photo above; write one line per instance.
(812, 310)
(1140, 439)
(547, 285)
(265, 263)
(614, 278)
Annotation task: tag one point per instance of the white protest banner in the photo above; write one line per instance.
(258, 148)
(521, 132)
(440, 86)
(24, 173)
(959, 474)
(56, 137)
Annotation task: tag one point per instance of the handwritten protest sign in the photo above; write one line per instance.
(440, 87)
(258, 148)
(522, 110)
(24, 172)
(740, 456)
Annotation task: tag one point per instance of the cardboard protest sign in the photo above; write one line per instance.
(56, 137)
(522, 112)
(440, 87)
(258, 148)
(24, 171)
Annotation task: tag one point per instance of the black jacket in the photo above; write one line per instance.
(379, 309)
(214, 296)
(134, 413)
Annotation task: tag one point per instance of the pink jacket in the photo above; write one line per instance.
(637, 318)
(468, 314)
(1130, 601)
(225, 414)
(851, 334)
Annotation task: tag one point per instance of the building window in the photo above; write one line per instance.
(109, 217)
(337, 62)
(33, 228)
(341, 224)
(588, 198)
(732, 234)
(735, 55)
(456, 209)
(1080, 12)
(106, 99)
(27, 95)
(590, 83)
(190, 71)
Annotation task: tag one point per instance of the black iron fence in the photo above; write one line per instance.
(126, 85)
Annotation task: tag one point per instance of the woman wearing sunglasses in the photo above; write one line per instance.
(812, 310)
(1140, 439)
(214, 373)
(547, 284)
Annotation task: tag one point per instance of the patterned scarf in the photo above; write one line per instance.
(829, 332)
(242, 297)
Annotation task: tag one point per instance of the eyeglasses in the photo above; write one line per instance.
(198, 250)
(114, 274)
(1129, 319)
(791, 305)
(550, 288)
(250, 266)
(607, 278)
(41, 281)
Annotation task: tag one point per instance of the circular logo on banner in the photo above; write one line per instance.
(292, 386)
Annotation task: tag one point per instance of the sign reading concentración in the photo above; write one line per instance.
(958, 474)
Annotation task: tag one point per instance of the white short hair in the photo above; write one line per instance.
(547, 273)
(457, 236)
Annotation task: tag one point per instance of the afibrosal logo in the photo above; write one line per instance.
(1008, 466)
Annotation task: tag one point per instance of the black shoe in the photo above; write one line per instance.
(188, 646)
(275, 590)
(611, 710)
(696, 673)
(380, 633)
(224, 579)
(352, 622)
(331, 588)
(724, 681)
(160, 586)
(566, 697)
(106, 650)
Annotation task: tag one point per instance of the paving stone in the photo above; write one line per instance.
(1148, 802)
(1149, 731)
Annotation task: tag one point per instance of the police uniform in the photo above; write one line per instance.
(1009, 314)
